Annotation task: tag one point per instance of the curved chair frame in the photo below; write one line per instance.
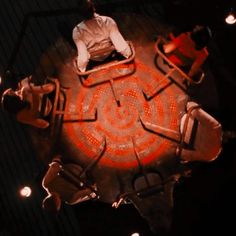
(108, 65)
(105, 66)
(176, 68)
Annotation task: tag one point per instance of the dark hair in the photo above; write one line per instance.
(201, 36)
(13, 104)
(87, 9)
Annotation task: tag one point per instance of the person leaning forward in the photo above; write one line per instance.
(95, 33)
(188, 50)
(64, 184)
(26, 101)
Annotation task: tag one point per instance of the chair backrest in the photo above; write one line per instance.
(158, 44)
(201, 135)
(107, 65)
(188, 129)
(102, 52)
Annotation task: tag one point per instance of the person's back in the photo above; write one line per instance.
(186, 53)
(25, 103)
(63, 179)
(203, 139)
(99, 26)
(94, 33)
(188, 50)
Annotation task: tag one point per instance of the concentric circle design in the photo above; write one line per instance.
(117, 119)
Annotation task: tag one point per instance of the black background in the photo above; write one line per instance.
(204, 203)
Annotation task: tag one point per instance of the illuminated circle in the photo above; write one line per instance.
(120, 123)
(230, 19)
(135, 234)
(25, 191)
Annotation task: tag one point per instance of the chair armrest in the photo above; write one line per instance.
(108, 65)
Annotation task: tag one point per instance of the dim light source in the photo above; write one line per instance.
(230, 18)
(25, 191)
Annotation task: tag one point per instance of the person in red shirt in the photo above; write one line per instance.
(188, 50)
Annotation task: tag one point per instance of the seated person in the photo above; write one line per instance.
(25, 102)
(188, 50)
(202, 141)
(94, 33)
(64, 188)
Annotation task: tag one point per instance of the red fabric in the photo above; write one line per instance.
(186, 48)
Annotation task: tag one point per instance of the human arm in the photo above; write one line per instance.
(197, 64)
(118, 41)
(27, 86)
(53, 170)
(175, 42)
(40, 89)
(169, 47)
(26, 117)
(25, 82)
(83, 54)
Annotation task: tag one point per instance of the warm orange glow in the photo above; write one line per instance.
(25, 191)
(135, 234)
(120, 124)
(230, 19)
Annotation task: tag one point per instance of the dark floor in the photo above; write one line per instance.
(204, 203)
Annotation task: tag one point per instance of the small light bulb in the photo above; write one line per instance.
(135, 234)
(25, 191)
(230, 19)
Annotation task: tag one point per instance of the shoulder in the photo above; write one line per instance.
(203, 53)
(106, 19)
(79, 27)
(179, 38)
(25, 82)
(184, 37)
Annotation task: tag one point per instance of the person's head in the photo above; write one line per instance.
(87, 9)
(52, 203)
(201, 36)
(12, 101)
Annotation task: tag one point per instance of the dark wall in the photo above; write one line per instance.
(205, 200)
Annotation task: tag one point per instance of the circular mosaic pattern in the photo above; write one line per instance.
(116, 111)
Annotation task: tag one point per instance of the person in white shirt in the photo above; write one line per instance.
(205, 144)
(25, 102)
(95, 33)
